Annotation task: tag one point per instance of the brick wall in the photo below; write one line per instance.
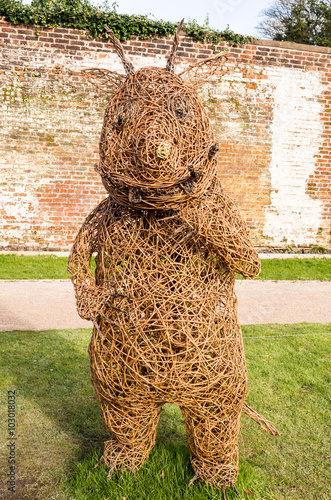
(270, 110)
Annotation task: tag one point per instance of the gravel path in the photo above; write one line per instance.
(50, 304)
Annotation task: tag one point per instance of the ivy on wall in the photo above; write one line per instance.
(80, 14)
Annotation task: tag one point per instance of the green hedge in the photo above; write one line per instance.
(80, 14)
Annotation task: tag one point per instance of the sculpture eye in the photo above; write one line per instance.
(180, 108)
(118, 122)
(179, 113)
(123, 114)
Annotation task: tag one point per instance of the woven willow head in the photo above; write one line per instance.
(157, 146)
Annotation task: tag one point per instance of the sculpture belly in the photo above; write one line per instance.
(172, 322)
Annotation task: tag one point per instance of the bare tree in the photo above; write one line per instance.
(301, 21)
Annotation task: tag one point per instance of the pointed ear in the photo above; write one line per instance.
(204, 71)
(104, 79)
(171, 60)
(128, 66)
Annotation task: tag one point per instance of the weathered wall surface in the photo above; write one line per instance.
(270, 109)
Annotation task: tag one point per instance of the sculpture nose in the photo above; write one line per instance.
(163, 150)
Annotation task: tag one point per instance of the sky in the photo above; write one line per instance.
(241, 15)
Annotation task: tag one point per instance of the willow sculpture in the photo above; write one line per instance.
(168, 243)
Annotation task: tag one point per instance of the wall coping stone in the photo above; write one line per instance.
(254, 42)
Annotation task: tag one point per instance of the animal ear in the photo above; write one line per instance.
(104, 79)
(128, 66)
(204, 71)
(171, 59)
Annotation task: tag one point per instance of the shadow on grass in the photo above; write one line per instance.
(58, 415)
(51, 369)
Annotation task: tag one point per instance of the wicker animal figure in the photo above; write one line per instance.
(168, 243)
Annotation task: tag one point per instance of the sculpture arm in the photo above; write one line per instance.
(89, 296)
(217, 220)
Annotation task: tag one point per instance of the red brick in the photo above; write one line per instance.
(68, 188)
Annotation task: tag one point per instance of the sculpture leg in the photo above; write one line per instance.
(212, 435)
(133, 427)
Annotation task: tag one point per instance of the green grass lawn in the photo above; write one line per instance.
(296, 269)
(60, 431)
(52, 267)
